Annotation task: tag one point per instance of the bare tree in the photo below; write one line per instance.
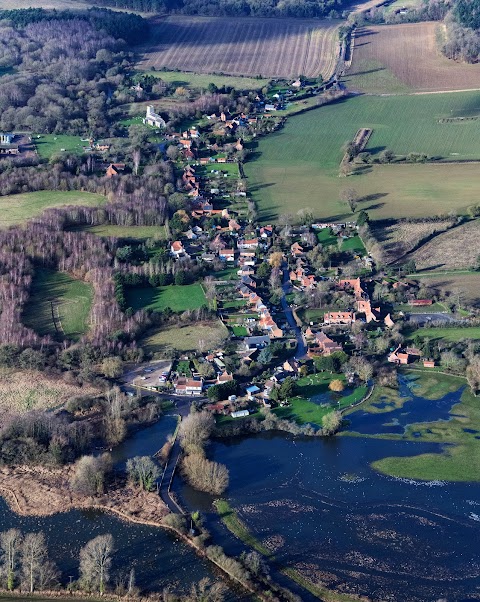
(90, 473)
(205, 475)
(350, 197)
(10, 545)
(196, 429)
(142, 471)
(95, 562)
(37, 569)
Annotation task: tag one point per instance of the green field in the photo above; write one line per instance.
(53, 144)
(133, 232)
(449, 334)
(72, 300)
(18, 208)
(201, 81)
(298, 167)
(177, 298)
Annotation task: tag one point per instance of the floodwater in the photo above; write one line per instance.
(319, 507)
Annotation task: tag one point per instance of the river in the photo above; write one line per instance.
(318, 505)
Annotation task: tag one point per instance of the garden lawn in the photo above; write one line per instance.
(240, 331)
(177, 298)
(49, 145)
(18, 208)
(354, 244)
(297, 168)
(72, 300)
(449, 334)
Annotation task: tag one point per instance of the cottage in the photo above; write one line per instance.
(177, 249)
(420, 302)
(296, 250)
(153, 119)
(251, 243)
(227, 255)
(224, 377)
(429, 363)
(325, 345)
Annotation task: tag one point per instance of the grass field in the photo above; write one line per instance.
(184, 338)
(466, 284)
(201, 80)
(177, 298)
(53, 144)
(400, 58)
(243, 46)
(456, 249)
(449, 334)
(133, 232)
(71, 298)
(298, 167)
(18, 208)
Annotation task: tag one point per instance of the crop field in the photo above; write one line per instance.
(401, 58)
(23, 390)
(201, 80)
(398, 238)
(177, 298)
(71, 300)
(298, 167)
(456, 249)
(18, 208)
(243, 46)
(206, 335)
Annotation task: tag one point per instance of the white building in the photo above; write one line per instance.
(152, 118)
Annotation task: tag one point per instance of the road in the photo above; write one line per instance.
(301, 346)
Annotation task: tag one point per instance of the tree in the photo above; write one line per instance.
(276, 259)
(336, 385)
(362, 218)
(95, 562)
(10, 545)
(90, 473)
(473, 374)
(286, 388)
(386, 156)
(205, 475)
(331, 423)
(264, 271)
(265, 355)
(37, 569)
(142, 472)
(196, 429)
(350, 197)
(112, 367)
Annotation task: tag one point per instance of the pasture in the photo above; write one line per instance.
(177, 298)
(400, 58)
(206, 335)
(456, 249)
(58, 305)
(467, 285)
(242, 46)
(449, 334)
(18, 208)
(126, 232)
(298, 167)
(200, 81)
(48, 145)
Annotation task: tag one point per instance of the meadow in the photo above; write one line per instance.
(298, 167)
(126, 232)
(242, 46)
(177, 298)
(48, 145)
(384, 55)
(466, 284)
(18, 208)
(449, 334)
(72, 300)
(161, 342)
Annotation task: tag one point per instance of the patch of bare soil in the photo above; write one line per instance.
(39, 491)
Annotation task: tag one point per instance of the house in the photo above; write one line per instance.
(420, 302)
(429, 363)
(224, 377)
(186, 143)
(249, 281)
(296, 250)
(9, 149)
(251, 243)
(308, 281)
(177, 249)
(227, 254)
(325, 345)
(244, 291)
(270, 107)
(297, 84)
(234, 226)
(342, 318)
(266, 231)
(153, 119)
(188, 386)
(399, 357)
(6, 138)
(115, 169)
(205, 160)
(290, 366)
(251, 391)
(257, 342)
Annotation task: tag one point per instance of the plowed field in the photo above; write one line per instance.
(243, 46)
(402, 58)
